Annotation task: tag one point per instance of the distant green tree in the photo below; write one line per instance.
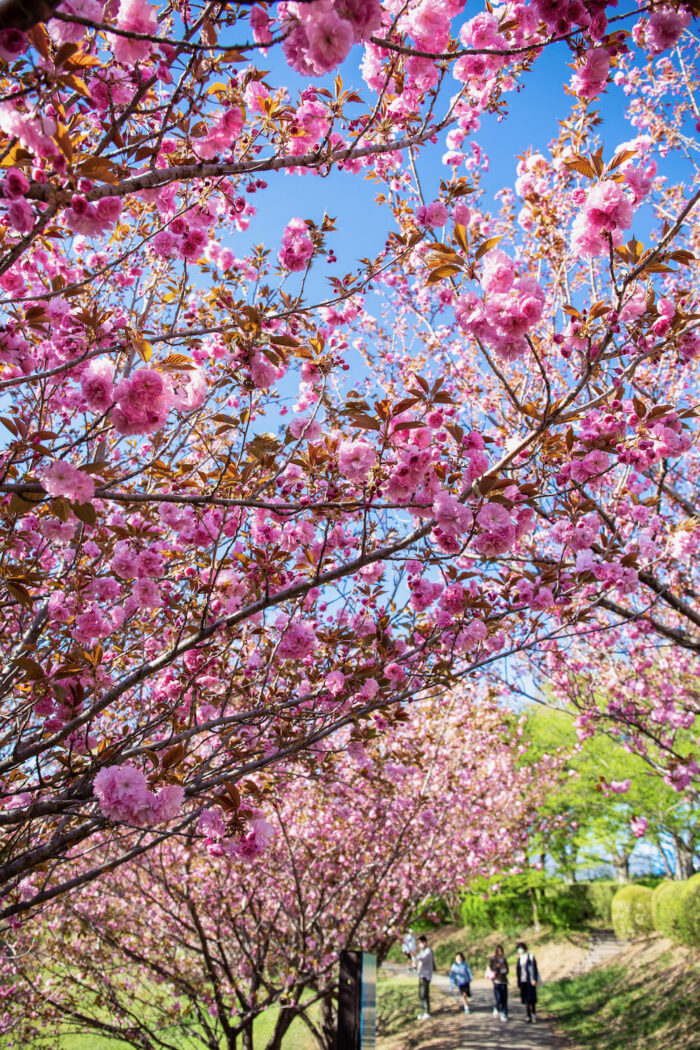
(587, 821)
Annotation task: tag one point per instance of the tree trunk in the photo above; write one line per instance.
(284, 1020)
(247, 1037)
(535, 909)
(684, 858)
(329, 1022)
(622, 868)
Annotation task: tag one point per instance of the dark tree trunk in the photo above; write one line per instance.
(329, 1022)
(284, 1020)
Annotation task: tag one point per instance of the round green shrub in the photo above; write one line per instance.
(665, 907)
(600, 895)
(689, 911)
(631, 912)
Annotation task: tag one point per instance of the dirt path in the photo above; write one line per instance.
(449, 1028)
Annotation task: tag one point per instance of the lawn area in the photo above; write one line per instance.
(648, 998)
(297, 1038)
(397, 1003)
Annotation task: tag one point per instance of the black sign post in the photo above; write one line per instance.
(357, 1001)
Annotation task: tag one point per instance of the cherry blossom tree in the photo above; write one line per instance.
(240, 515)
(186, 946)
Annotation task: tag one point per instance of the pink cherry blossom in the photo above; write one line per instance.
(61, 478)
(297, 247)
(355, 460)
(137, 16)
(124, 796)
(298, 640)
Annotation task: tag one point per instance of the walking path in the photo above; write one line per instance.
(449, 1028)
(603, 946)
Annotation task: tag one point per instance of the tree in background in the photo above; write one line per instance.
(608, 800)
(185, 947)
(239, 513)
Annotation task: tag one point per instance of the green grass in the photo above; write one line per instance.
(651, 1003)
(397, 1003)
(298, 1036)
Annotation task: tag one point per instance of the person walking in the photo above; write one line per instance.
(461, 977)
(528, 978)
(408, 947)
(425, 964)
(497, 971)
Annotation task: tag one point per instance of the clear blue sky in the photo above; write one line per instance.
(532, 121)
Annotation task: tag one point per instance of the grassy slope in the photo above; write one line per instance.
(647, 998)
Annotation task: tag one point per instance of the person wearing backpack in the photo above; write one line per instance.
(461, 977)
(425, 964)
(528, 978)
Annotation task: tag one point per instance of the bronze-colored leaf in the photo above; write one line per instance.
(487, 245)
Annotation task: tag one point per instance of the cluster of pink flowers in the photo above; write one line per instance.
(297, 246)
(135, 16)
(220, 136)
(590, 79)
(35, 131)
(251, 845)
(639, 826)
(320, 34)
(410, 473)
(434, 214)
(123, 795)
(355, 460)
(665, 27)
(453, 521)
(61, 478)
(511, 307)
(97, 386)
(19, 213)
(142, 402)
(605, 214)
(498, 534)
(92, 219)
(310, 124)
(298, 639)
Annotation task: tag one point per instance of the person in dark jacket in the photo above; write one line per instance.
(528, 979)
(497, 971)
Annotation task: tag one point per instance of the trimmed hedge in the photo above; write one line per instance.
(556, 904)
(665, 907)
(689, 911)
(579, 904)
(631, 912)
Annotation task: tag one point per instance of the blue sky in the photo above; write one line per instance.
(532, 121)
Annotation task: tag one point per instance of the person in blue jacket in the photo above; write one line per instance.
(461, 976)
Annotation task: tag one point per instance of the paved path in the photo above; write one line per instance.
(449, 1028)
